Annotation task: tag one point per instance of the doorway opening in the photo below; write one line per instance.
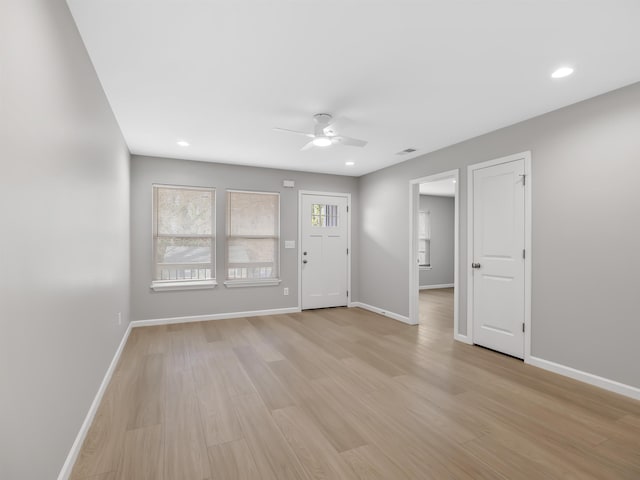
(434, 247)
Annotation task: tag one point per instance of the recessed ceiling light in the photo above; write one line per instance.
(183, 143)
(349, 164)
(562, 72)
(322, 141)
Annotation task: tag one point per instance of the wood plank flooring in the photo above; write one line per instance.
(347, 394)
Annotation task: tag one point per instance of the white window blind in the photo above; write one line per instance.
(424, 239)
(183, 234)
(253, 236)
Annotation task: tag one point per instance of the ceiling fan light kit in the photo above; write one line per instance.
(324, 135)
(321, 141)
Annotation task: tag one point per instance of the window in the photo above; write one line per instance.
(424, 239)
(324, 215)
(253, 238)
(183, 237)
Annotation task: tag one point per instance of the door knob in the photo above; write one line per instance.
(304, 253)
(475, 265)
(304, 261)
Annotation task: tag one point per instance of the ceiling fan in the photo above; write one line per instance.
(324, 135)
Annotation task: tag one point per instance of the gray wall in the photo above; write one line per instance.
(586, 230)
(145, 171)
(442, 241)
(64, 202)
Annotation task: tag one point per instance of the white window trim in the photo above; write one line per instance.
(169, 285)
(164, 286)
(269, 282)
(266, 282)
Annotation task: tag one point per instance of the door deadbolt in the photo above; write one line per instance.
(475, 265)
(304, 261)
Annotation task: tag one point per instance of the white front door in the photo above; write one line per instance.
(498, 257)
(324, 245)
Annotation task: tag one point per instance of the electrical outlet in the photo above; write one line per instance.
(286, 290)
(119, 318)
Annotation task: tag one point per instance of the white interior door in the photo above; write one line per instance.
(498, 257)
(324, 244)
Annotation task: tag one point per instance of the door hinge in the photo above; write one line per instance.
(347, 208)
(347, 251)
(523, 327)
(524, 179)
(347, 293)
(524, 254)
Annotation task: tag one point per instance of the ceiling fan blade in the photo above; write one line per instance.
(353, 142)
(277, 129)
(308, 146)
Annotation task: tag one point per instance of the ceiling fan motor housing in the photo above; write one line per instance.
(322, 118)
(322, 124)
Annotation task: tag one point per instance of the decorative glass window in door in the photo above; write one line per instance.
(324, 215)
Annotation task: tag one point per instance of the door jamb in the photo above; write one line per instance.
(301, 193)
(414, 270)
(526, 156)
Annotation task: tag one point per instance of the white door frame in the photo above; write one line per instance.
(526, 156)
(300, 220)
(414, 270)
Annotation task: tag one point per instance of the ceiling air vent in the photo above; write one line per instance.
(406, 150)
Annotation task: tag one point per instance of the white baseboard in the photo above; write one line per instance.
(65, 472)
(213, 316)
(433, 287)
(607, 384)
(386, 313)
(462, 338)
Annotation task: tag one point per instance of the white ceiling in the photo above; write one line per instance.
(439, 188)
(423, 74)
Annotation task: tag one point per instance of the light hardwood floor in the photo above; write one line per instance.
(347, 394)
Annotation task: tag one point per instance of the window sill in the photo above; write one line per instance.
(252, 283)
(193, 285)
(429, 267)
